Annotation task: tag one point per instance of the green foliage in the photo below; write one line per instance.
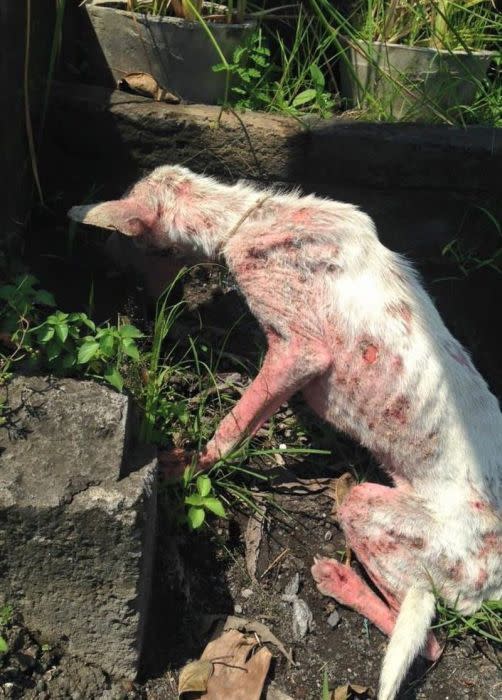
(21, 301)
(326, 693)
(62, 343)
(486, 622)
(388, 94)
(200, 499)
(295, 88)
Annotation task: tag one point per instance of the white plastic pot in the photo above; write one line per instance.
(411, 82)
(178, 53)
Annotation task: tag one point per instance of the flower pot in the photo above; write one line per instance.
(178, 53)
(412, 83)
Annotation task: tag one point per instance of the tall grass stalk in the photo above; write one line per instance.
(165, 317)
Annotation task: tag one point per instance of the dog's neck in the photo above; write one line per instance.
(207, 217)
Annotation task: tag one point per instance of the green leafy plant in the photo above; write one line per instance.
(295, 87)
(201, 499)
(63, 343)
(21, 301)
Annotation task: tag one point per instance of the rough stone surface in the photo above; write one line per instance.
(276, 148)
(77, 519)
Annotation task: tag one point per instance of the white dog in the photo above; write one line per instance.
(348, 324)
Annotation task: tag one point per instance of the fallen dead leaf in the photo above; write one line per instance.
(339, 490)
(239, 673)
(194, 677)
(252, 539)
(146, 85)
(241, 623)
(351, 691)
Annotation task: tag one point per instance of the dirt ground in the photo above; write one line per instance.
(205, 573)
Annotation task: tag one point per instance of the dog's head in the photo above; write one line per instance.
(160, 211)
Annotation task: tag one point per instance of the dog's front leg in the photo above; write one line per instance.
(288, 366)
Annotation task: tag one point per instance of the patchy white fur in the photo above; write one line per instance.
(416, 613)
(450, 399)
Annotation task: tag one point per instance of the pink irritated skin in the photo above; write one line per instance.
(348, 324)
(341, 582)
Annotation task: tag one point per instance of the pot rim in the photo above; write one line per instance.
(427, 49)
(142, 17)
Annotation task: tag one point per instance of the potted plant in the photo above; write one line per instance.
(175, 41)
(416, 59)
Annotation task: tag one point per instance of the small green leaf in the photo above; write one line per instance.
(53, 349)
(128, 331)
(194, 500)
(3, 646)
(87, 351)
(45, 334)
(44, 297)
(114, 378)
(7, 292)
(218, 68)
(304, 97)
(215, 506)
(195, 517)
(62, 331)
(203, 485)
(129, 347)
(106, 344)
(317, 76)
(69, 360)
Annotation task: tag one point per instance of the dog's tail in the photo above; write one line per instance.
(407, 640)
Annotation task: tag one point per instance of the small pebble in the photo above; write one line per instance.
(328, 535)
(238, 609)
(333, 619)
(246, 592)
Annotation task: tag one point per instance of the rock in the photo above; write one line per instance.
(77, 519)
(333, 619)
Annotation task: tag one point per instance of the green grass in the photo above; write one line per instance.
(486, 622)
(392, 95)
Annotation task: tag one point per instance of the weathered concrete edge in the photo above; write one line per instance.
(273, 147)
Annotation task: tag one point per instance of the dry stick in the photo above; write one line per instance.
(257, 205)
(27, 115)
(275, 562)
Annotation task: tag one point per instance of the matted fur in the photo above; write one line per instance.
(349, 324)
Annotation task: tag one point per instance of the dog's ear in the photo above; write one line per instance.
(129, 216)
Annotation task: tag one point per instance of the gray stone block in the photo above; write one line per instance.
(77, 519)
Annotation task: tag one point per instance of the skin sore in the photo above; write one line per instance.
(349, 325)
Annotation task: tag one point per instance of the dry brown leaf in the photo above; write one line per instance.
(252, 540)
(351, 691)
(194, 677)
(241, 623)
(339, 490)
(238, 673)
(145, 84)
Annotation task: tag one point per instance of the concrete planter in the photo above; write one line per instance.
(177, 52)
(412, 83)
